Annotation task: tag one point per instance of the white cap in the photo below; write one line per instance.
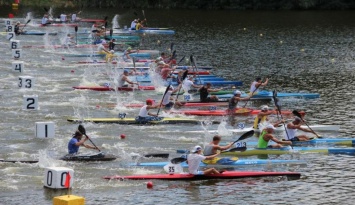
(112, 51)
(196, 149)
(264, 108)
(171, 87)
(270, 126)
(237, 92)
(298, 119)
(161, 63)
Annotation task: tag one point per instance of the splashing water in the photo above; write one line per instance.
(222, 130)
(115, 22)
(29, 16)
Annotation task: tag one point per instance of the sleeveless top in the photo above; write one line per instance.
(261, 142)
(290, 133)
(208, 150)
(203, 94)
(166, 98)
(253, 87)
(121, 82)
(232, 104)
(143, 112)
(138, 25)
(258, 120)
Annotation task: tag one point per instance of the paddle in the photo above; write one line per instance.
(182, 79)
(146, 22)
(83, 131)
(295, 112)
(161, 102)
(276, 101)
(25, 25)
(192, 59)
(180, 60)
(171, 47)
(236, 149)
(76, 35)
(106, 24)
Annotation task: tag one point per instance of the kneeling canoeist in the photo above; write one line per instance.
(167, 102)
(205, 91)
(76, 142)
(262, 116)
(196, 158)
(144, 114)
(266, 136)
(254, 87)
(292, 128)
(122, 79)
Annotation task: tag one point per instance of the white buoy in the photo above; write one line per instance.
(16, 53)
(30, 102)
(27, 82)
(45, 129)
(9, 28)
(8, 22)
(18, 66)
(10, 35)
(55, 177)
(15, 44)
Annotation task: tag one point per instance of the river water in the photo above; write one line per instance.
(300, 51)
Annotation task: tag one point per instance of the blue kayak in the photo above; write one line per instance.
(168, 32)
(37, 33)
(216, 83)
(268, 94)
(118, 38)
(229, 162)
(138, 55)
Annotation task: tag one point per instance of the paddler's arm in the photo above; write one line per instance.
(212, 156)
(81, 142)
(89, 146)
(262, 84)
(225, 147)
(128, 81)
(271, 137)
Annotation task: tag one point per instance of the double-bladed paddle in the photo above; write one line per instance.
(76, 34)
(29, 20)
(246, 135)
(295, 112)
(192, 60)
(278, 107)
(182, 79)
(146, 22)
(81, 129)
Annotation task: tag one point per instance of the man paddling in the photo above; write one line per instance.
(233, 101)
(267, 135)
(167, 101)
(17, 28)
(196, 158)
(205, 91)
(76, 142)
(262, 116)
(214, 146)
(254, 87)
(144, 114)
(187, 84)
(123, 79)
(292, 128)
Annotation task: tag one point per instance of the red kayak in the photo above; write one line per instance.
(92, 20)
(224, 175)
(103, 88)
(239, 111)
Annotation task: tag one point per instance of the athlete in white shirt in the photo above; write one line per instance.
(254, 87)
(292, 128)
(195, 159)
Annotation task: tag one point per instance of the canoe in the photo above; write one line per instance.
(164, 120)
(118, 38)
(278, 129)
(52, 25)
(104, 88)
(289, 150)
(279, 94)
(224, 175)
(75, 158)
(240, 162)
(239, 111)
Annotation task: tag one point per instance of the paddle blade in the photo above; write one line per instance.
(28, 21)
(178, 160)
(245, 136)
(184, 75)
(171, 47)
(192, 59)
(181, 60)
(45, 9)
(106, 24)
(134, 62)
(296, 113)
(158, 155)
(166, 90)
(76, 29)
(111, 32)
(81, 129)
(173, 56)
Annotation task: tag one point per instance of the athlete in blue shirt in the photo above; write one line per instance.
(76, 142)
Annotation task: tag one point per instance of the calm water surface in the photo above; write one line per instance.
(298, 51)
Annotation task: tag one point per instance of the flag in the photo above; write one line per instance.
(67, 180)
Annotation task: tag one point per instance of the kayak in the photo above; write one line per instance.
(240, 162)
(224, 175)
(37, 33)
(75, 158)
(278, 129)
(203, 82)
(117, 38)
(91, 20)
(190, 67)
(52, 25)
(143, 55)
(196, 81)
(269, 94)
(104, 88)
(164, 120)
(289, 150)
(239, 111)
(147, 31)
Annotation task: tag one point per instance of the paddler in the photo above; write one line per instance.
(111, 44)
(133, 24)
(144, 114)
(45, 20)
(63, 18)
(126, 53)
(69, 40)
(17, 28)
(101, 49)
(166, 71)
(194, 160)
(204, 92)
(139, 24)
(233, 101)
(76, 142)
(167, 101)
(292, 128)
(263, 116)
(110, 56)
(254, 87)
(122, 79)
(187, 83)
(266, 136)
(214, 146)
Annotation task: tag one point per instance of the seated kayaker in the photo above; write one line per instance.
(266, 136)
(254, 87)
(17, 28)
(123, 79)
(101, 49)
(205, 91)
(133, 24)
(96, 37)
(188, 83)
(167, 102)
(196, 158)
(292, 128)
(144, 114)
(166, 71)
(109, 56)
(214, 146)
(139, 24)
(111, 44)
(76, 142)
(233, 101)
(45, 20)
(262, 116)
(126, 53)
